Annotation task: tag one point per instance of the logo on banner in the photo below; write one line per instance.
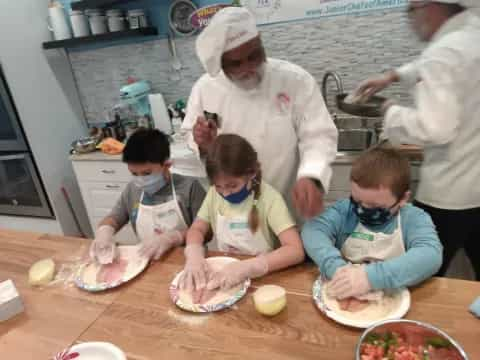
(263, 9)
(202, 17)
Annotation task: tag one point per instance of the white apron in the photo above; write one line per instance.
(364, 245)
(234, 236)
(164, 217)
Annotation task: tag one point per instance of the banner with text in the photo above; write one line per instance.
(272, 11)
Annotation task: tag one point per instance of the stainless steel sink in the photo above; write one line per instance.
(355, 139)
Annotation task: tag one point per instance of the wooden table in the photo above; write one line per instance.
(54, 316)
(140, 318)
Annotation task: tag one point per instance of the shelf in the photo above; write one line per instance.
(94, 4)
(93, 39)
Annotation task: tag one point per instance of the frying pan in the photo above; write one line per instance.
(371, 108)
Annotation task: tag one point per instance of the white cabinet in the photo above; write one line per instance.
(102, 171)
(101, 184)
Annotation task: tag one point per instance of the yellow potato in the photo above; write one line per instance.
(270, 299)
(41, 273)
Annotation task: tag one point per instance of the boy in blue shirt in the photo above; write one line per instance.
(394, 242)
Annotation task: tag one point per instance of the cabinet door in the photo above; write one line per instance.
(102, 171)
(100, 198)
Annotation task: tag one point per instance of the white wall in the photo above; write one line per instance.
(45, 95)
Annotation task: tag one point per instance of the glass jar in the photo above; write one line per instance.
(116, 20)
(137, 19)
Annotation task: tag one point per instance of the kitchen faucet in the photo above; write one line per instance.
(338, 81)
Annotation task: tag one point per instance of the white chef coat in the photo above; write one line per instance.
(285, 120)
(446, 119)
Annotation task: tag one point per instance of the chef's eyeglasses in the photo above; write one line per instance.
(255, 57)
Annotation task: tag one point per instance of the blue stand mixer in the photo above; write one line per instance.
(134, 97)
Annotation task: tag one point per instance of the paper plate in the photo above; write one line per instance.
(397, 313)
(135, 265)
(91, 351)
(216, 263)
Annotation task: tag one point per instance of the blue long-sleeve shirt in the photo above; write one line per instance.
(324, 236)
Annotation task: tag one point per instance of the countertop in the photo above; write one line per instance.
(185, 161)
(140, 318)
(413, 153)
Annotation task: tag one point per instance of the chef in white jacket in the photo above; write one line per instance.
(274, 104)
(445, 120)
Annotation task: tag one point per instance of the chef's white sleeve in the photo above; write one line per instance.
(435, 118)
(316, 133)
(193, 111)
(408, 73)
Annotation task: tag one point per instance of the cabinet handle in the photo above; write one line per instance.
(108, 171)
(112, 186)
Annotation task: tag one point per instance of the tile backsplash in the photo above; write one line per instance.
(355, 46)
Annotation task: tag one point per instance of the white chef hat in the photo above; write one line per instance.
(228, 29)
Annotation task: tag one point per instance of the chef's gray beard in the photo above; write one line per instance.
(251, 82)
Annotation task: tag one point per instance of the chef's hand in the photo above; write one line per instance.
(237, 272)
(196, 271)
(308, 197)
(204, 133)
(371, 86)
(160, 243)
(349, 281)
(102, 249)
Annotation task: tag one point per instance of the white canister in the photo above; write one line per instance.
(115, 20)
(98, 23)
(79, 22)
(137, 19)
(90, 12)
(58, 22)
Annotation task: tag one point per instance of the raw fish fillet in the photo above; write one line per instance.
(352, 304)
(113, 272)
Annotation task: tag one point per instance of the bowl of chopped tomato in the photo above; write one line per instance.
(407, 340)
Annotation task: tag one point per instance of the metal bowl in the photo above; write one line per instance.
(85, 145)
(371, 108)
(411, 327)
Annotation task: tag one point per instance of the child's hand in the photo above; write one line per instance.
(237, 272)
(102, 249)
(197, 271)
(349, 281)
(160, 243)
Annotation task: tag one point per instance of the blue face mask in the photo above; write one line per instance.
(372, 216)
(238, 197)
(150, 184)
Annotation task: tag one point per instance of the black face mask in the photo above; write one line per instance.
(372, 216)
